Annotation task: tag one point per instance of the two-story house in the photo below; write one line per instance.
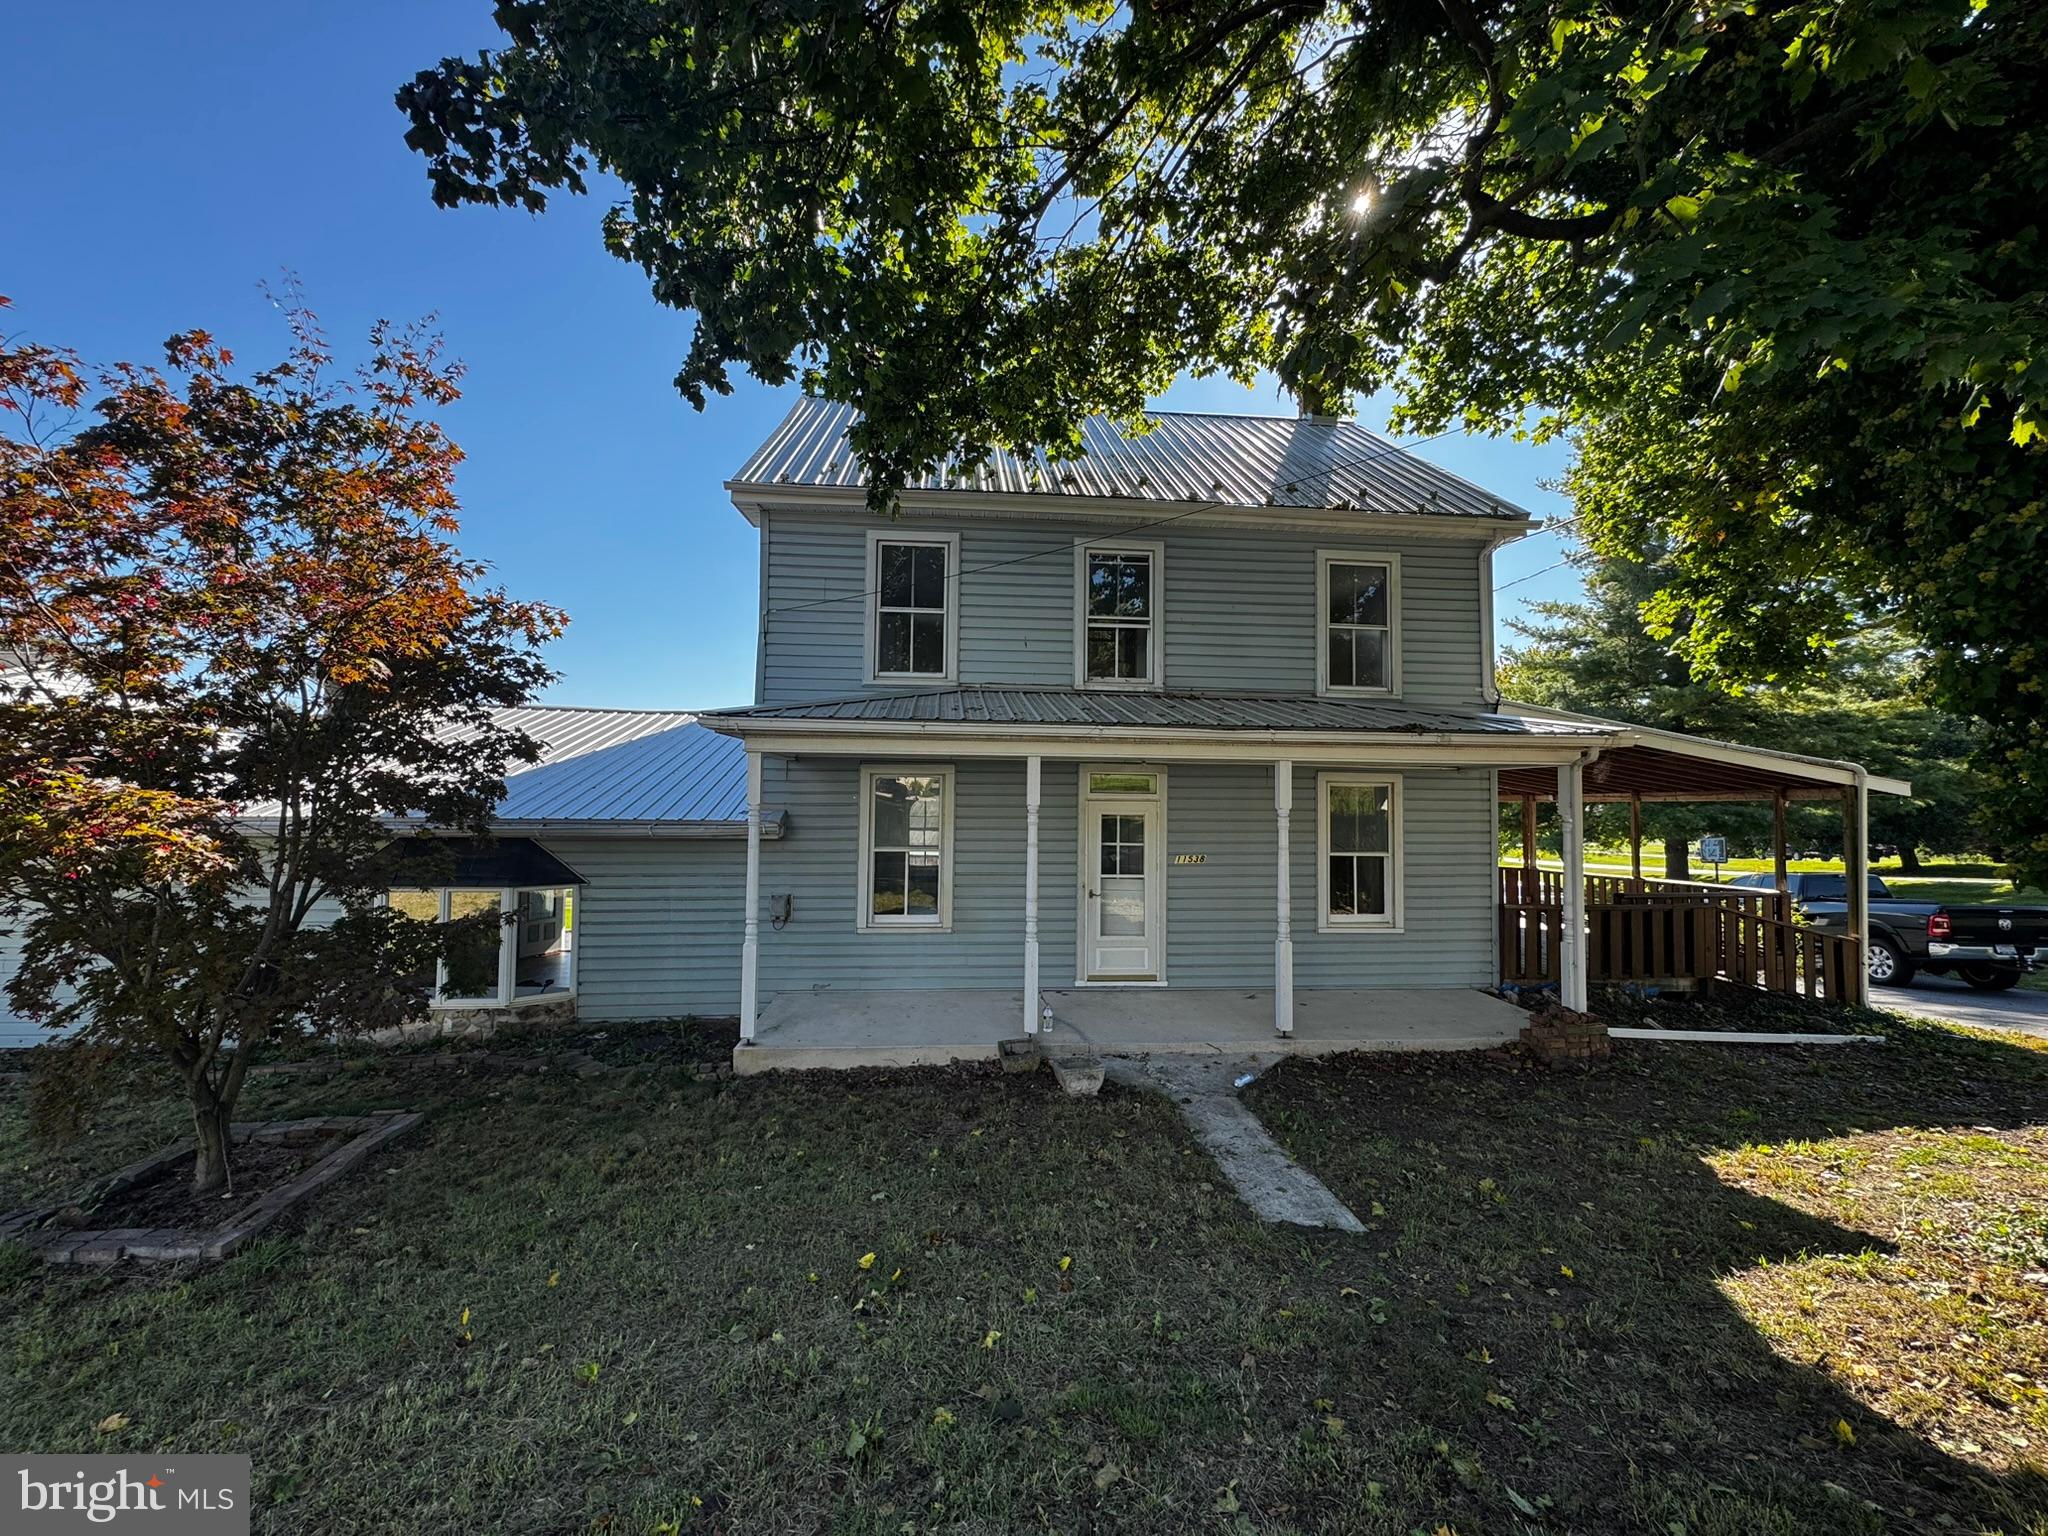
(1193, 740)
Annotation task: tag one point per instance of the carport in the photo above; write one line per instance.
(1572, 928)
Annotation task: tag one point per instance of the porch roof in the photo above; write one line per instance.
(1201, 712)
(1638, 762)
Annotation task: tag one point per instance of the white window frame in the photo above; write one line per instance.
(865, 919)
(506, 993)
(1325, 558)
(1155, 650)
(950, 542)
(1395, 917)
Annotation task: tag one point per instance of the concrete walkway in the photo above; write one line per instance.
(1274, 1185)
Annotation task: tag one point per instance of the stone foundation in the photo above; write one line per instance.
(1557, 1033)
(477, 1023)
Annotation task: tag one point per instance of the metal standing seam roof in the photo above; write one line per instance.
(1163, 711)
(625, 765)
(1241, 461)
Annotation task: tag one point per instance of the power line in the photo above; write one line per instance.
(1067, 548)
(1545, 571)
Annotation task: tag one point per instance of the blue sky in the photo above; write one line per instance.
(165, 160)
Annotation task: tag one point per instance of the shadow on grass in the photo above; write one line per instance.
(1563, 1239)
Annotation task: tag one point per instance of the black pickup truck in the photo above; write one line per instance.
(1989, 947)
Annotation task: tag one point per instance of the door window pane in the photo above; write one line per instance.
(1123, 906)
(1122, 784)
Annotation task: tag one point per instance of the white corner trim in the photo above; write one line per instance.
(872, 603)
(1324, 559)
(864, 920)
(1397, 907)
(1156, 647)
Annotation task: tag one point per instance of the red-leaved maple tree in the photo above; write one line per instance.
(238, 647)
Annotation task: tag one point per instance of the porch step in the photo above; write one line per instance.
(1079, 1077)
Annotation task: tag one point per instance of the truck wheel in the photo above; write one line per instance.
(1888, 965)
(1989, 978)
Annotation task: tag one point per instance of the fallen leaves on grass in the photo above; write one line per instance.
(112, 1424)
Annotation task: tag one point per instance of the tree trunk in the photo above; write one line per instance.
(1677, 859)
(1909, 859)
(211, 1114)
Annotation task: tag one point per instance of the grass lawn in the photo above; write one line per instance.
(1689, 1291)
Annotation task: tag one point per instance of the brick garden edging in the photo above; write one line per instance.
(71, 1245)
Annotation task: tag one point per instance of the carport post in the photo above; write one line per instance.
(750, 950)
(1283, 931)
(1856, 876)
(1571, 810)
(1784, 881)
(1528, 832)
(1635, 838)
(1031, 799)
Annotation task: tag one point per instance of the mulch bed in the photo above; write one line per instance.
(148, 1209)
(255, 1168)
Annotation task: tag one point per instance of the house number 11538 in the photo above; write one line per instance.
(1191, 858)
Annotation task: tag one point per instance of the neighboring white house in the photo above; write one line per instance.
(1199, 728)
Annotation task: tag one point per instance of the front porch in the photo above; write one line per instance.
(939, 1025)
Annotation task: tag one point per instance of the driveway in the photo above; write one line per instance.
(1943, 997)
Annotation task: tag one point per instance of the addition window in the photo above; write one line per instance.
(1358, 846)
(906, 848)
(1118, 622)
(1358, 607)
(913, 623)
(527, 956)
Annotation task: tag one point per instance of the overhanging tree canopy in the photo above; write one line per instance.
(1797, 242)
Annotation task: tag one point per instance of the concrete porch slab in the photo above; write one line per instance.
(1219, 1021)
(926, 1027)
(798, 1031)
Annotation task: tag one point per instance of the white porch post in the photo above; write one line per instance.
(1571, 810)
(1031, 798)
(750, 951)
(1283, 932)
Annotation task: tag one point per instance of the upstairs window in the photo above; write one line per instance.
(1118, 630)
(1358, 606)
(911, 632)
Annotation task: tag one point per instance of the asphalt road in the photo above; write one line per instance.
(1943, 997)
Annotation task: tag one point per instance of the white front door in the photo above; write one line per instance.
(1123, 868)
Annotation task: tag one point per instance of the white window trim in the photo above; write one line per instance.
(872, 609)
(1328, 922)
(1155, 651)
(1325, 558)
(864, 919)
(506, 994)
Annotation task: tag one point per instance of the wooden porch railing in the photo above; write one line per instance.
(1661, 931)
(1523, 886)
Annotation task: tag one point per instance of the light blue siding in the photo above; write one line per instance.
(817, 864)
(14, 1029)
(1220, 917)
(658, 927)
(658, 930)
(1239, 608)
